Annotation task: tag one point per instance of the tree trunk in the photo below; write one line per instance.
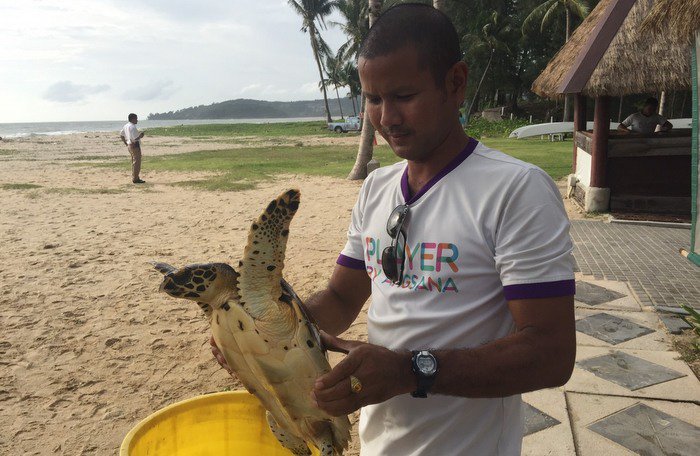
(366, 148)
(439, 5)
(314, 47)
(662, 103)
(354, 108)
(469, 111)
(565, 117)
(337, 95)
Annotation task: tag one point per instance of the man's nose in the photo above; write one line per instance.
(390, 115)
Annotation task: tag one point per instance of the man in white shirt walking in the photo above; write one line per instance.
(132, 138)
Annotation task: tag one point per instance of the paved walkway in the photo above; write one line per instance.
(629, 393)
(645, 257)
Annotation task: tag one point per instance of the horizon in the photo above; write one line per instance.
(99, 60)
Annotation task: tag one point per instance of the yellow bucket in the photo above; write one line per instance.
(230, 423)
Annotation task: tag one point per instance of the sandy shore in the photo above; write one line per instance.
(88, 346)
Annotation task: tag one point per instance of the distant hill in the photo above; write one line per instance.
(257, 109)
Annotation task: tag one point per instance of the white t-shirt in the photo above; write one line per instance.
(486, 229)
(640, 123)
(130, 133)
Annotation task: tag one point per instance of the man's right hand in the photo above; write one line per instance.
(219, 356)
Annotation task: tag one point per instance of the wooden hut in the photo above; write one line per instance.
(681, 18)
(609, 55)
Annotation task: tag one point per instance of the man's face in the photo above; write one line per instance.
(648, 109)
(411, 112)
(136, 120)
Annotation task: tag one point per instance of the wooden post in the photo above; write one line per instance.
(601, 132)
(579, 122)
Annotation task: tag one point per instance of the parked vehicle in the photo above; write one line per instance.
(351, 123)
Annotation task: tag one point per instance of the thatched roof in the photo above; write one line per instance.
(680, 17)
(631, 62)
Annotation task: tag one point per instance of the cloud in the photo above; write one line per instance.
(156, 90)
(68, 92)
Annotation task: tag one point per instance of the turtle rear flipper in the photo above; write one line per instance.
(288, 440)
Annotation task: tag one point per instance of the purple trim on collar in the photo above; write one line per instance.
(350, 262)
(405, 190)
(540, 290)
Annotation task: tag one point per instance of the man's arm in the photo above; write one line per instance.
(337, 306)
(539, 354)
(666, 126)
(623, 128)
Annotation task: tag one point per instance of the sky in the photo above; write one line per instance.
(79, 60)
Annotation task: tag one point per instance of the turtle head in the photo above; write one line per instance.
(211, 283)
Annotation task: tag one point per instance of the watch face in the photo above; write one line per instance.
(426, 364)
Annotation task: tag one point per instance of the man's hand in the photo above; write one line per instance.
(382, 372)
(219, 356)
(141, 135)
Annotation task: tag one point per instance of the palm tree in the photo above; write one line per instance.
(365, 150)
(313, 12)
(334, 69)
(547, 11)
(351, 79)
(493, 37)
(355, 27)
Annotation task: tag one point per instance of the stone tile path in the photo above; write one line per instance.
(629, 393)
(645, 257)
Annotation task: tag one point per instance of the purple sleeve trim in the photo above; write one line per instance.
(540, 290)
(351, 263)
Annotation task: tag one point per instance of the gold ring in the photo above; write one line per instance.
(355, 384)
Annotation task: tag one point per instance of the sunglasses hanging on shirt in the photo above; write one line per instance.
(394, 256)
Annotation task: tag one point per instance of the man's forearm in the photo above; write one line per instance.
(329, 312)
(516, 364)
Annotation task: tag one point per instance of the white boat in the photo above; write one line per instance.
(555, 128)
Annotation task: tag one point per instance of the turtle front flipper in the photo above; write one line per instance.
(263, 261)
(211, 285)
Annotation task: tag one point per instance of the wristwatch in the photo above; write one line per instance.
(425, 366)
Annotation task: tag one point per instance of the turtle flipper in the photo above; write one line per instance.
(263, 256)
(288, 440)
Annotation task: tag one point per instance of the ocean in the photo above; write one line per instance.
(21, 130)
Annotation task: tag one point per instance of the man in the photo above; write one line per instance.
(646, 120)
(466, 255)
(132, 138)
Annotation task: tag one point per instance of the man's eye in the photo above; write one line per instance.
(374, 100)
(405, 96)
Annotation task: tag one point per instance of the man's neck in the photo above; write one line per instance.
(420, 172)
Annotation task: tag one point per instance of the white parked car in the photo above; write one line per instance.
(351, 124)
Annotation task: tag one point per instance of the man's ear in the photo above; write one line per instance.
(456, 80)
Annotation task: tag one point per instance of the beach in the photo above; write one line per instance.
(89, 346)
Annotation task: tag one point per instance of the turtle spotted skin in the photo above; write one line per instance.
(260, 326)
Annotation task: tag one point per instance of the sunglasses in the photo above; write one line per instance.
(394, 256)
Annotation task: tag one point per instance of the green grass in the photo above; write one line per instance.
(239, 169)
(553, 157)
(19, 186)
(7, 152)
(244, 129)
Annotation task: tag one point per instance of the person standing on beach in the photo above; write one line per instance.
(132, 138)
(466, 255)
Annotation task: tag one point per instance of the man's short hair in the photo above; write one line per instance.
(132, 116)
(651, 101)
(418, 25)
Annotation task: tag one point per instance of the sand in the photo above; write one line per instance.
(88, 345)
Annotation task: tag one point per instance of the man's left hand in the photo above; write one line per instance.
(383, 374)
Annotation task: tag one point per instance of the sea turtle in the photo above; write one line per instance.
(260, 326)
